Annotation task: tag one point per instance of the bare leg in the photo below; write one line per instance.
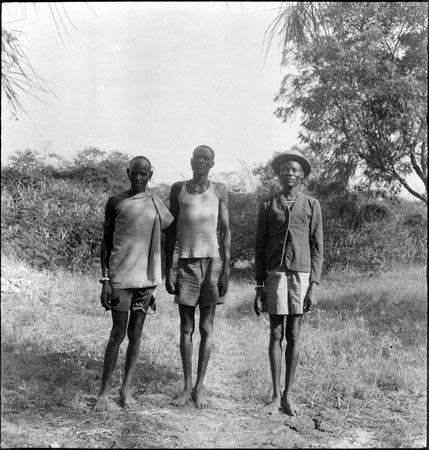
(117, 335)
(207, 314)
(293, 328)
(135, 328)
(187, 327)
(275, 353)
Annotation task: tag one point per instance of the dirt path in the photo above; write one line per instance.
(154, 423)
(31, 419)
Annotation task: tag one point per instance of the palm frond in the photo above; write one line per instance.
(19, 78)
(297, 23)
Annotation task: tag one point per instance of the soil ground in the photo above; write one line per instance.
(34, 419)
(154, 423)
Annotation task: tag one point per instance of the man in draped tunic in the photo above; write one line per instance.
(131, 264)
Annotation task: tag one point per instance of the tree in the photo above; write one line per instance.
(361, 88)
(19, 77)
(243, 209)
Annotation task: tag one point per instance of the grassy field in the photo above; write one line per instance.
(361, 380)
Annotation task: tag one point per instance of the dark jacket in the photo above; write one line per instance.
(293, 238)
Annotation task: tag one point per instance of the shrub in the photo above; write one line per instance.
(52, 216)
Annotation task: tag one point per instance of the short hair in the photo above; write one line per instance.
(204, 146)
(140, 157)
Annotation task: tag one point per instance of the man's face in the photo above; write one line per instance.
(291, 173)
(139, 173)
(202, 161)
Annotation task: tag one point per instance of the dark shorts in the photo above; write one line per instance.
(132, 299)
(197, 281)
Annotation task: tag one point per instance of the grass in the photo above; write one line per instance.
(363, 351)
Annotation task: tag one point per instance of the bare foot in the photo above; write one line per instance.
(102, 403)
(200, 400)
(273, 407)
(126, 400)
(182, 399)
(288, 406)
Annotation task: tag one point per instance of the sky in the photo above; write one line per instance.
(154, 79)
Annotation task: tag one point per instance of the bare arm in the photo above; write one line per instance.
(224, 230)
(107, 242)
(171, 232)
(170, 238)
(225, 237)
(106, 250)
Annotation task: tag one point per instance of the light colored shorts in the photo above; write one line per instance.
(285, 291)
(131, 299)
(197, 281)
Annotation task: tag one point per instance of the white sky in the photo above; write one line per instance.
(156, 79)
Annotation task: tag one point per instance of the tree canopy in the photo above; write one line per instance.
(361, 87)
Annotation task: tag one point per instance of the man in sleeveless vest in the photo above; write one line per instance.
(288, 266)
(131, 264)
(198, 207)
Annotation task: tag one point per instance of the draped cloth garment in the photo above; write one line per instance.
(137, 253)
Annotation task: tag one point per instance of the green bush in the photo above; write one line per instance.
(373, 235)
(52, 214)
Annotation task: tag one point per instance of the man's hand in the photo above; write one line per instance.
(171, 281)
(106, 293)
(259, 302)
(309, 300)
(222, 284)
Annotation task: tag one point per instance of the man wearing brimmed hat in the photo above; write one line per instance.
(288, 266)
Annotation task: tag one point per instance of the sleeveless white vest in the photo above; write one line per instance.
(198, 215)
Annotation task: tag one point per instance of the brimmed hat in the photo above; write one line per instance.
(293, 155)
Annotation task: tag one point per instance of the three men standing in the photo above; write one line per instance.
(199, 207)
(288, 264)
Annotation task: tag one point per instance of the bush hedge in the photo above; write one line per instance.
(52, 216)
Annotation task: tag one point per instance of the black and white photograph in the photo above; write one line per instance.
(214, 224)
